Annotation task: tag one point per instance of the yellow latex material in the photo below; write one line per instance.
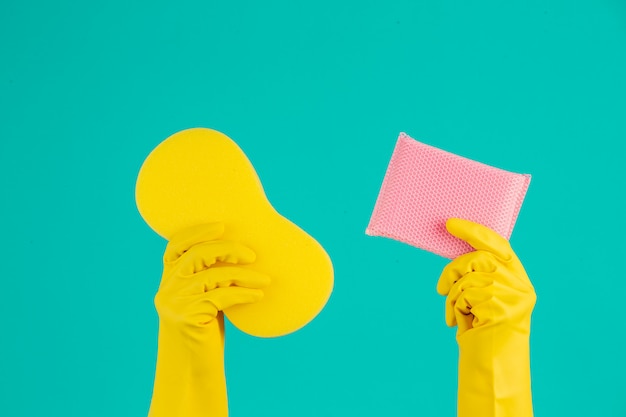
(490, 299)
(200, 176)
(202, 275)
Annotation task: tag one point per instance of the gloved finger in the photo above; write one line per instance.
(231, 276)
(478, 261)
(206, 254)
(464, 323)
(182, 241)
(223, 298)
(220, 277)
(475, 301)
(200, 310)
(471, 280)
(480, 237)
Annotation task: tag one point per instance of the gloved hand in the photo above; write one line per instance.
(490, 299)
(198, 283)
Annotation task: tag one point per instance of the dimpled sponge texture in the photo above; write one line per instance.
(424, 186)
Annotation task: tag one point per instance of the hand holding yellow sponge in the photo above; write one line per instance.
(199, 176)
(229, 251)
(202, 275)
(490, 298)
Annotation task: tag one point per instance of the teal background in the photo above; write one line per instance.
(315, 93)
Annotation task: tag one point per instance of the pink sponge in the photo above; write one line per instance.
(424, 186)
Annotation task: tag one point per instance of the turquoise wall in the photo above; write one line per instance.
(315, 93)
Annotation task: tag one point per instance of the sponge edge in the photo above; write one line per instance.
(200, 176)
(424, 186)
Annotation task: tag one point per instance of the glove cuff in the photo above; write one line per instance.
(494, 373)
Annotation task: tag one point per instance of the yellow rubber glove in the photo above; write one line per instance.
(197, 284)
(490, 298)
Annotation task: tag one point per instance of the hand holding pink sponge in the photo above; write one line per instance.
(424, 186)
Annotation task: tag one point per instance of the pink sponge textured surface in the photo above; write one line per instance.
(424, 186)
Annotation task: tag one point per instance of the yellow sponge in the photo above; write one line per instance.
(201, 176)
